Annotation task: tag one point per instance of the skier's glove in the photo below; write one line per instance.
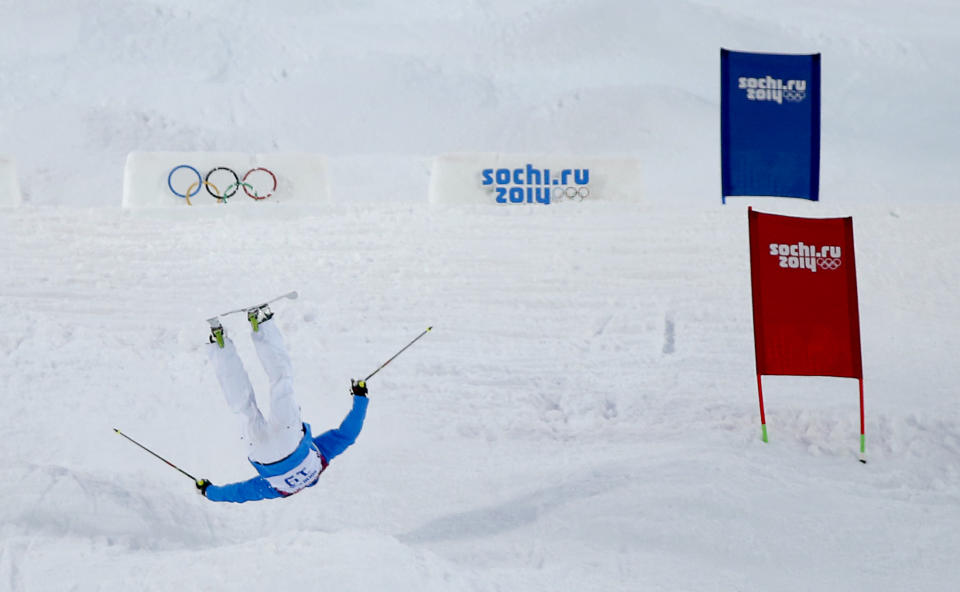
(358, 388)
(202, 485)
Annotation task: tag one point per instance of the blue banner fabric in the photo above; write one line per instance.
(770, 124)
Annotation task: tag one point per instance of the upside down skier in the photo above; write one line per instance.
(287, 457)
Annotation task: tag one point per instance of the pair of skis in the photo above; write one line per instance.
(215, 321)
(217, 328)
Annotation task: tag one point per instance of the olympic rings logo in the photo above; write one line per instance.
(571, 193)
(794, 96)
(828, 263)
(230, 190)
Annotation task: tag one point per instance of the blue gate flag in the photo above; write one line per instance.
(770, 124)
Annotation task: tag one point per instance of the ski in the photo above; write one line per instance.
(215, 321)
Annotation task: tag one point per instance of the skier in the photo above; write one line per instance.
(283, 450)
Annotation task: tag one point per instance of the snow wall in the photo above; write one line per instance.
(162, 179)
(531, 179)
(9, 184)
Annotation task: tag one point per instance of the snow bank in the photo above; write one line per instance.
(173, 179)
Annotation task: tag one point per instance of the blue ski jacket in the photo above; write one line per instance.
(299, 469)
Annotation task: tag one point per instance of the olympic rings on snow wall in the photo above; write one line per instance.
(230, 189)
(520, 179)
(181, 179)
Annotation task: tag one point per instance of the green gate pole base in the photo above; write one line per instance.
(764, 426)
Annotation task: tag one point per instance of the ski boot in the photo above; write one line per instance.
(258, 315)
(216, 332)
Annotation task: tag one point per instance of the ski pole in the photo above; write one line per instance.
(427, 330)
(156, 455)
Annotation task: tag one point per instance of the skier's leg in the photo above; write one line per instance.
(284, 410)
(237, 389)
(333, 442)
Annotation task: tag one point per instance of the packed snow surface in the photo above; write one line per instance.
(583, 415)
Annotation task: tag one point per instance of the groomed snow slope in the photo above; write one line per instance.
(583, 415)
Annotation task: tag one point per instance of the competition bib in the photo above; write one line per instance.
(299, 477)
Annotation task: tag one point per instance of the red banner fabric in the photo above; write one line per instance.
(806, 320)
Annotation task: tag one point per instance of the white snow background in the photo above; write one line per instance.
(584, 414)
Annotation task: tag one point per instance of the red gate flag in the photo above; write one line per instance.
(806, 320)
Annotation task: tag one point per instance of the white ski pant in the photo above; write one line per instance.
(265, 441)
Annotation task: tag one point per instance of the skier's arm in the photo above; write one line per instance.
(244, 491)
(333, 442)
